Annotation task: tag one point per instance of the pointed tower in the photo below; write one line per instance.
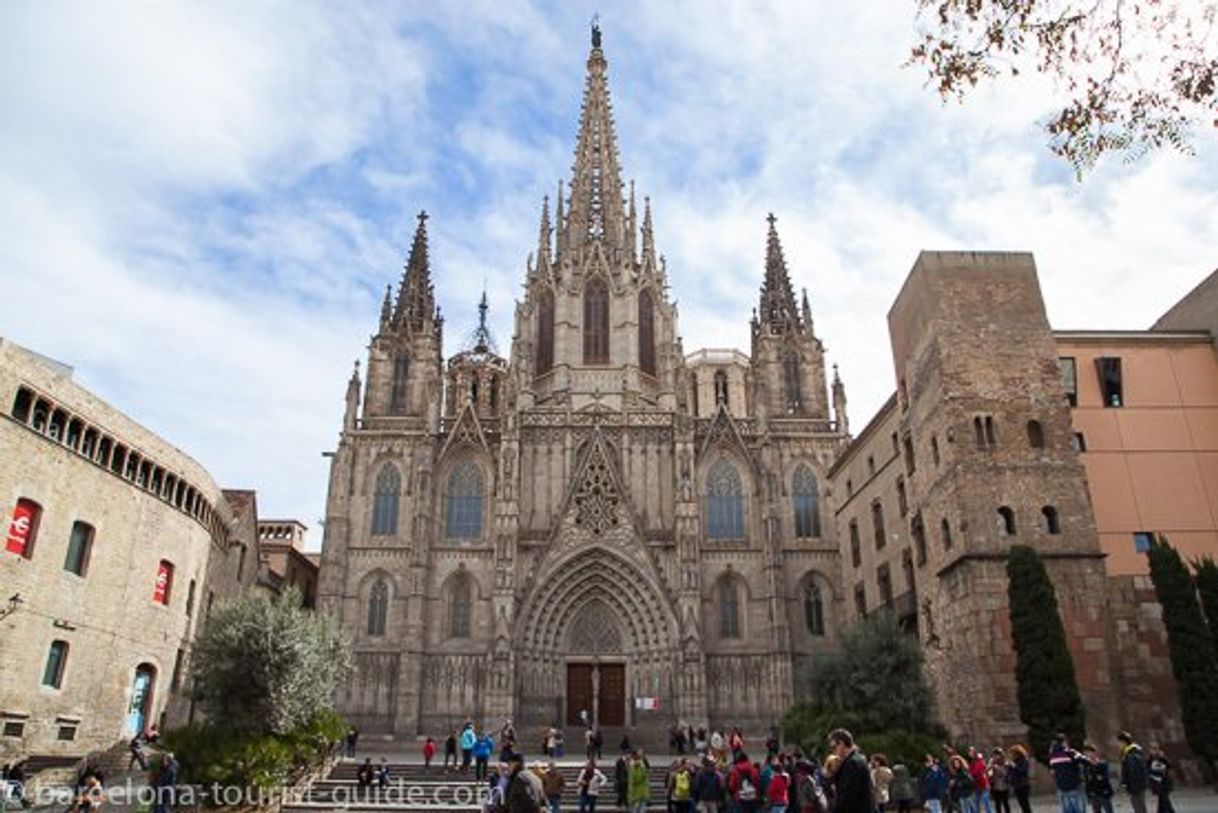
(787, 359)
(597, 206)
(404, 357)
(478, 374)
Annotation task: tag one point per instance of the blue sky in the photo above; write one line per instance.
(203, 203)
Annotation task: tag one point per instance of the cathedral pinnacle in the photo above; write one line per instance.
(597, 205)
(416, 303)
(778, 311)
(543, 240)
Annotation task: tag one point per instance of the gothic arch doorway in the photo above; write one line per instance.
(596, 673)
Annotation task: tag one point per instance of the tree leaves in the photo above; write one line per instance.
(1134, 75)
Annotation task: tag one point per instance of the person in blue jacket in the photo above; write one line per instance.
(484, 746)
(932, 784)
(468, 738)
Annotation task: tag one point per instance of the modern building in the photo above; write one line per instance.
(117, 544)
(597, 521)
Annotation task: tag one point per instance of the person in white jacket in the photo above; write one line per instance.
(590, 781)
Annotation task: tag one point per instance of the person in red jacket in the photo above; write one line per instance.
(744, 784)
(981, 781)
(777, 790)
(429, 753)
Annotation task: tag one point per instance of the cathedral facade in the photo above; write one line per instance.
(599, 522)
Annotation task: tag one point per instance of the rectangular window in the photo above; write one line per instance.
(13, 728)
(1142, 541)
(910, 465)
(1069, 369)
(860, 600)
(902, 498)
(877, 523)
(175, 682)
(57, 660)
(856, 546)
(1109, 370)
(80, 544)
(884, 580)
(23, 528)
(65, 732)
(1080, 442)
(163, 588)
(190, 598)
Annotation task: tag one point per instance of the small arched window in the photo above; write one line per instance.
(814, 610)
(1006, 521)
(545, 332)
(877, 525)
(945, 531)
(458, 607)
(917, 529)
(729, 608)
(724, 502)
(1036, 435)
(720, 388)
(790, 382)
(647, 333)
(401, 377)
(385, 501)
(805, 494)
(463, 502)
(1052, 522)
(596, 322)
(378, 608)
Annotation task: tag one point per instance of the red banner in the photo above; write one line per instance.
(164, 579)
(21, 528)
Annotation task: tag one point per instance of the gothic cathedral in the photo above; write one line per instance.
(600, 522)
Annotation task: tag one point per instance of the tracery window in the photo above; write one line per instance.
(596, 322)
(724, 502)
(463, 502)
(790, 382)
(401, 375)
(385, 501)
(647, 339)
(378, 608)
(814, 610)
(545, 332)
(805, 494)
(729, 608)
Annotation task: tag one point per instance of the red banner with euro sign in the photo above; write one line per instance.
(164, 574)
(21, 528)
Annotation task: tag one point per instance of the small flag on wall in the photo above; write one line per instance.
(647, 703)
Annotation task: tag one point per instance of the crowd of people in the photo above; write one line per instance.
(714, 774)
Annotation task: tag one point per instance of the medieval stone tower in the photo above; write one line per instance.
(598, 519)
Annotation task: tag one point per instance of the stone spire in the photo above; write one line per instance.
(839, 403)
(416, 303)
(387, 310)
(352, 412)
(777, 310)
(649, 239)
(806, 312)
(596, 212)
(632, 227)
(544, 259)
(482, 342)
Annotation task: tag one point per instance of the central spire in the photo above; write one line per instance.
(597, 207)
(777, 308)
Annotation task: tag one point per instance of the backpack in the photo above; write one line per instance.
(748, 791)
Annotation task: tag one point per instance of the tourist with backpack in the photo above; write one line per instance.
(932, 784)
(744, 784)
(589, 784)
(1133, 771)
(901, 790)
(638, 794)
(777, 789)
(708, 787)
(680, 787)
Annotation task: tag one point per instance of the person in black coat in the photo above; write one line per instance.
(852, 780)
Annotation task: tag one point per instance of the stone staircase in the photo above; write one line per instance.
(415, 788)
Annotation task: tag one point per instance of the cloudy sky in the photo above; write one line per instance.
(203, 203)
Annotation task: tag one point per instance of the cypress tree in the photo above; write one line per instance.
(1207, 590)
(1191, 647)
(1048, 694)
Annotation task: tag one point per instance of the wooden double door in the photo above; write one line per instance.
(599, 689)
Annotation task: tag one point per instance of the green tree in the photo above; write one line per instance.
(873, 685)
(1130, 75)
(1191, 647)
(1048, 694)
(268, 666)
(1207, 590)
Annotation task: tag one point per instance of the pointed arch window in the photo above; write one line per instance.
(401, 375)
(596, 322)
(459, 607)
(378, 608)
(463, 502)
(729, 608)
(385, 501)
(724, 502)
(647, 333)
(814, 610)
(805, 495)
(790, 382)
(545, 332)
